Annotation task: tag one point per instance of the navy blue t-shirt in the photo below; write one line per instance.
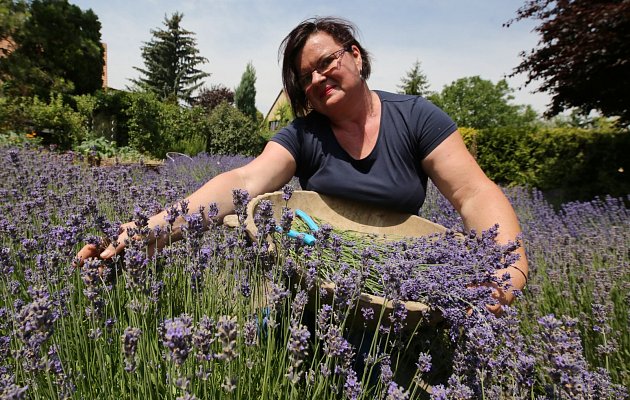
(391, 176)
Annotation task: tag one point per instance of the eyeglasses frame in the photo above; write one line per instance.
(338, 54)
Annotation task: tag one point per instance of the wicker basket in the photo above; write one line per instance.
(359, 217)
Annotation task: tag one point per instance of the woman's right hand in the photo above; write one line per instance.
(101, 251)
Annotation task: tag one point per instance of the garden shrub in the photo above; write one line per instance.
(145, 132)
(576, 163)
(12, 116)
(470, 139)
(157, 127)
(189, 127)
(109, 118)
(54, 122)
(99, 146)
(231, 132)
(501, 153)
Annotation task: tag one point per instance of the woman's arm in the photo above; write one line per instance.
(479, 202)
(273, 168)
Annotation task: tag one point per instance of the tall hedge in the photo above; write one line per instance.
(231, 132)
(571, 163)
(157, 127)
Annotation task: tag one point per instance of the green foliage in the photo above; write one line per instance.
(470, 139)
(582, 57)
(57, 50)
(171, 62)
(12, 139)
(12, 16)
(282, 117)
(109, 117)
(54, 121)
(208, 99)
(575, 163)
(190, 127)
(145, 129)
(245, 94)
(157, 127)
(12, 117)
(99, 147)
(231, 133)
(478, 103)
(415, 83)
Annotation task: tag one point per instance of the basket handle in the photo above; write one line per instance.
(231, 221)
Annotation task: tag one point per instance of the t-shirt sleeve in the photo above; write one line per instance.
(433, 126)
(288, 138)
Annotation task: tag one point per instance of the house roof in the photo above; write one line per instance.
(281, 98)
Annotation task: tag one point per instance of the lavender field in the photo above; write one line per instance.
(218, 315)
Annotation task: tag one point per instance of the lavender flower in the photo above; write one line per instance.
(298, 349)
(368, 313)
(177, 335)
(386, 375)
(297, 306)
(227, 330)
(136, 263)
(562, 355)
(203, 337)
(229, 384)
(250, 333)
(424, 362)
(395, 392)
(324, 320)
(10, 391)
(240, 199)
(130, 339)
(287, 191)
(36, 324)
(352, 386)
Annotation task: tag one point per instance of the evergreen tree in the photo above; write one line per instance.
(171, 62)
(245, 94)
(56, 47)
(415, 83)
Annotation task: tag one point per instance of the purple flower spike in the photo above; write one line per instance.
(130, 344)
(227, 328)
(177, 337)
(287, 192)
(298, 349)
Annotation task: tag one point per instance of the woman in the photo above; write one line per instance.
(351, 141)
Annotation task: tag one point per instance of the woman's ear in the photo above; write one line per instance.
(356, 56)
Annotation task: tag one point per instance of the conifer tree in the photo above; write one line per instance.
(415, 83)
(171, 62)
(245, 94)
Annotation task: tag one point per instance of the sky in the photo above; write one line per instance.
(452, 39)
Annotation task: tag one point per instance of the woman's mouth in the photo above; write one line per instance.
(327, 91)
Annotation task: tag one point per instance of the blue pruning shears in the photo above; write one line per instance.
(307, 238)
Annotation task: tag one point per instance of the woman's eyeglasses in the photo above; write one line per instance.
(324, 66)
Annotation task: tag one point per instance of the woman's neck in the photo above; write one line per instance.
(360, 108)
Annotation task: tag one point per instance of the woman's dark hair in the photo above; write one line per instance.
(341, 30)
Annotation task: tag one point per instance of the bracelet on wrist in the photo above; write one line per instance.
(521, 271)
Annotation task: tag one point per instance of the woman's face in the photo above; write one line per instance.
(327, 71)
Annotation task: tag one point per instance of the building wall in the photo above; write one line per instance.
(104, 65)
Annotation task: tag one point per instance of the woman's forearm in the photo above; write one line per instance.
(489, 206)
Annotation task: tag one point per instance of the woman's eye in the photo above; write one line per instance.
(323, 65)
